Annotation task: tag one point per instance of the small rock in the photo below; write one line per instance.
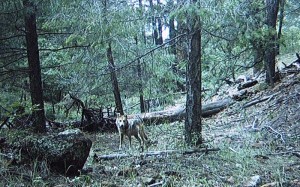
(148, 180)
(230, 180)
(253, 181)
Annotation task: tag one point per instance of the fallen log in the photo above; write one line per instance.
(179, 112)
(153, 153)
(157, 117)
(247, 84)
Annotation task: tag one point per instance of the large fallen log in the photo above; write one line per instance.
(178, 113)
(153, 153)
(159, 117)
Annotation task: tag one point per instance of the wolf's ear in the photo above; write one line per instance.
(125, 116)
(118, 114)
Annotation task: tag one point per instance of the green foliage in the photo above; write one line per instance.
(230, 30)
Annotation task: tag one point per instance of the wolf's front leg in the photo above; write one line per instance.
(140, 141)
(121, 140)
(129, 137)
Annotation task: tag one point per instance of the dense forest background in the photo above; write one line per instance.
(148, 41)
(186, 68)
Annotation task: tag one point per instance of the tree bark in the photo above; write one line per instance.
(140, 80)
(154, 28)
(172, 36)
(35, 77)
(159, 28)
(193, 126)
(111, 66)
(281, 16)
(181, 46)
(114, 80)
(271, 18)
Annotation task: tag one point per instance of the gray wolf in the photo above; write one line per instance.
(131, 127)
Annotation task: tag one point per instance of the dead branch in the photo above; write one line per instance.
(276, 132)
(255, 101)
(154, 153)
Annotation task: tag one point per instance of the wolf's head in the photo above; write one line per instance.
(122, 122)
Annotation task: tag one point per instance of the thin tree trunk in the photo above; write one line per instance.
(172, 33)
(193, 126)
(154, 28)
(111, 66)
(281, 16)
(159, 25)
(114, 80)
(140, 81)
(182, 46)
(143, 30)
(258, 57)
(35, 77)
(142, 102)
(271, 18)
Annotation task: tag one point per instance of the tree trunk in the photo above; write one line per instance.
(154, 28)
(143, 30)
(114, 80)
(181, 46)
(140, 80)
(111, 66)
(159, 25)
(271, 18)
(36, 89)
(193, 126)
(172, 31)
(258, 56)
(281, 16)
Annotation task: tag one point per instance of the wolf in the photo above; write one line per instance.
(131, 127)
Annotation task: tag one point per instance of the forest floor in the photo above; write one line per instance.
(259, 145)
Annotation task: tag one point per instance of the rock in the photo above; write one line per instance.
(65, 153)
(230, 180)
(148, 180)
(253, 181)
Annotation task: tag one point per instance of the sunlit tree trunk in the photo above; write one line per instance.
(35, 78)
(193, 126)
(270, 54)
